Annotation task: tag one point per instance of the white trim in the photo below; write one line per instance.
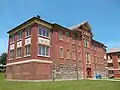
(27, 55)
(27, 61)
(42, 55)
(114, 69)
(44, 36)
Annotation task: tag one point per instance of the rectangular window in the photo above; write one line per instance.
(43, 31)
(95, 59)
(67, 36)
(61, 52)
(43, 50)
(85, 42)
(12, 38)
(28, 32)
(19, 52)
(68, 54)
(27, 50)
(19, 35)
(73, 55)
(11, 54)
(87, 57)
(73, 39)
(79, 39)
(61, 35)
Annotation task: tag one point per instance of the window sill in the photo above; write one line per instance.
(68, 58)
(27, 55)
(73, 43)
(67, 41)
(61, 40)
(43, 36)
(18, 57)
(61, 57)
(12, 43)
(19, 40)
(42, 56)
(11, 59)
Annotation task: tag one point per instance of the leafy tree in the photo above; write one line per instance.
(3, 58)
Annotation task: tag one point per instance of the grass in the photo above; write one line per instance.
(59, 85)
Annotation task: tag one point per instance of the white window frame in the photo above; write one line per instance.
(26, 50)
(73, 39)
(19, 36)
(47, 31)
(61, 35)
(12, 39)
(67, 36)
(68, 53)
(61, 53)
(11, 57)
(28, 32)
(46, 50)
(19, 52)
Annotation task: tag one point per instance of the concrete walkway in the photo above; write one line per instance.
(106, 79)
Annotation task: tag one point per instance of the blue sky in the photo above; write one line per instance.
(103, 16)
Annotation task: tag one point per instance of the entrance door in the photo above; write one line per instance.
(89, 73)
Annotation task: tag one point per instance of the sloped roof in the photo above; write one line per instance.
(113, 50)
(78, 25)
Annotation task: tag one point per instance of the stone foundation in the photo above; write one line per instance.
(66, 71)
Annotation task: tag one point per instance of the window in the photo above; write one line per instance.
(73, 39)
(19, 52)
(119, 64)
(11, 54)
(79, 38)
(110, 57)
(67, 36)
(28, 32)
(87, 57)
(118, 56)
(111, 72)
(86, 42)
(110, 64)
(27, 49)
(43, 50)
(95, 59)
(43, 31)
(61, 35)
(73, 55)
(68, 54)
(19, 35)
(12, 38)
(61, 52)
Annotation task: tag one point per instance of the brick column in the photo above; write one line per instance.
(34, 40)
(115, 63)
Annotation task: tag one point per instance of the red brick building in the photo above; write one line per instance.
(39, 50)
(113, 62)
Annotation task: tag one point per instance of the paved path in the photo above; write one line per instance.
(106, 79)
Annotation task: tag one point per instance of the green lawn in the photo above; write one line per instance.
(59, 85)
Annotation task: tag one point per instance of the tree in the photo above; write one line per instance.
(3, 58)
